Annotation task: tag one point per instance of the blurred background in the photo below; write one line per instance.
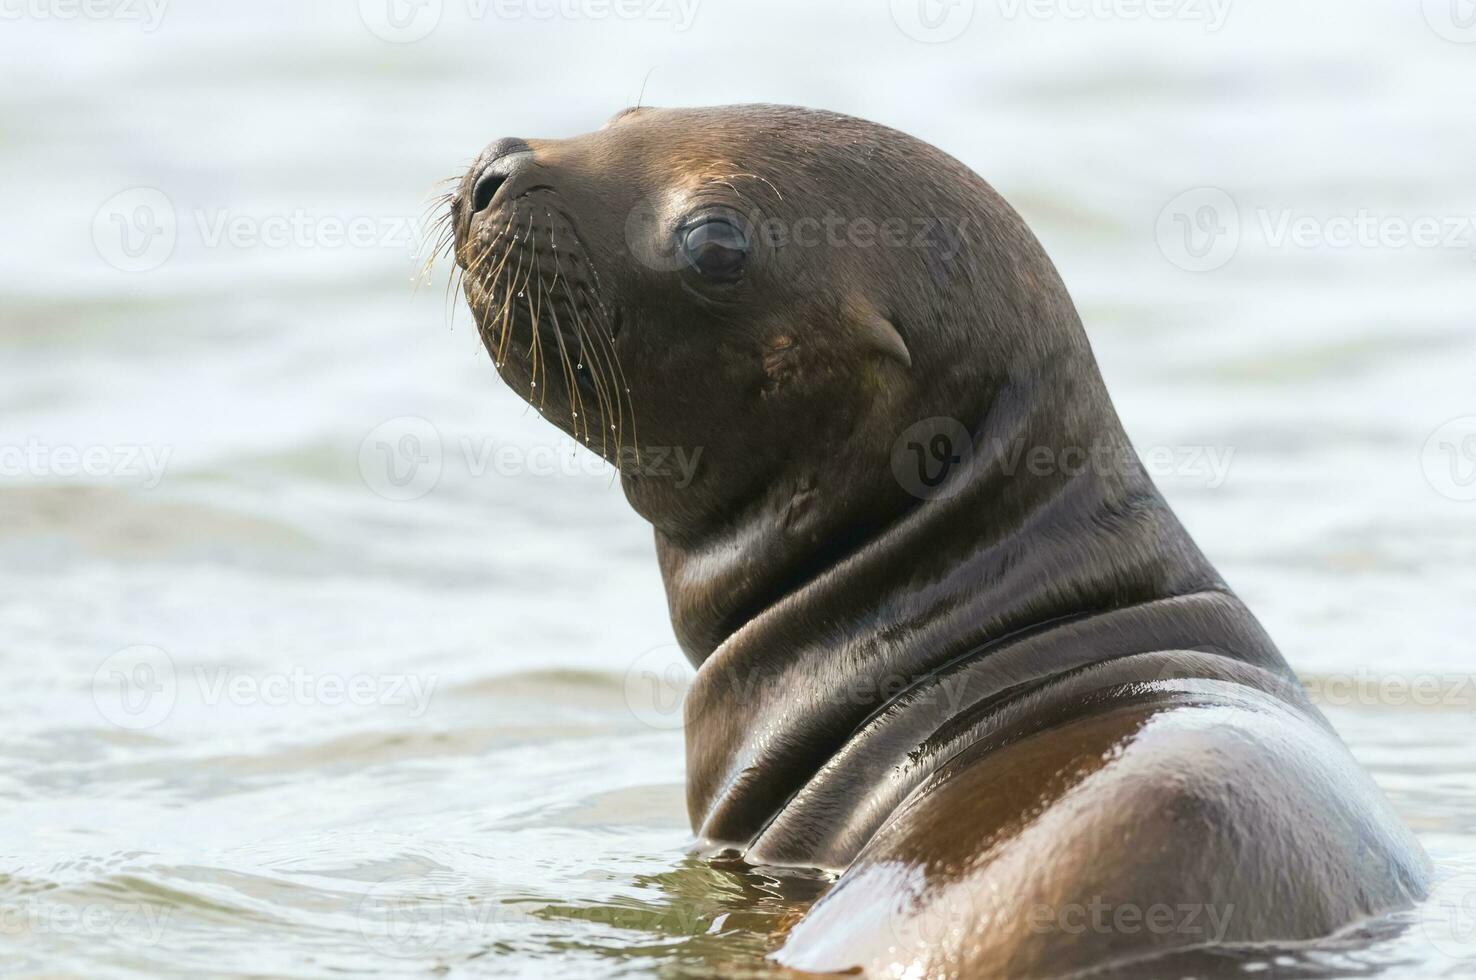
(323, 655)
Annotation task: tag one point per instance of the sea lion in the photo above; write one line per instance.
(950, 640)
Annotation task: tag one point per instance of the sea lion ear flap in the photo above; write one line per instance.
(878, 334)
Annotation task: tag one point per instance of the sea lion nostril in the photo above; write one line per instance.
(503, 159)
(486, 189)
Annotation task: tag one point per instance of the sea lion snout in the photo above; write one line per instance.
(539, 304)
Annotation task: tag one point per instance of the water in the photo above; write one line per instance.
(263, 717)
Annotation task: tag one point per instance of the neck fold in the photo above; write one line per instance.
(813, 636)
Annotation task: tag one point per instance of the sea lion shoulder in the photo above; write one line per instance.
(1190, 818)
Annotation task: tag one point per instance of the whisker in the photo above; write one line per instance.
(513, 289)
(576, 400)
(593, 366)
(500, 287)
(598, 354)
(606, 336)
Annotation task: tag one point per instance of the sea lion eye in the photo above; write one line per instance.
(716, 248)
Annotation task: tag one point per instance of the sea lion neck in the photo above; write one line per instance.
(1047, 504)
(1053, 523)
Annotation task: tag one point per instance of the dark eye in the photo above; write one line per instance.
(716, 248)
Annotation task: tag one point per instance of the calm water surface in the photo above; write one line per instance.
(265, 716)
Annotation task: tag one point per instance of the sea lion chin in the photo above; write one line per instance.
(976, 689)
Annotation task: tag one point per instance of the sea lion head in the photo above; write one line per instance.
(770, 297)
